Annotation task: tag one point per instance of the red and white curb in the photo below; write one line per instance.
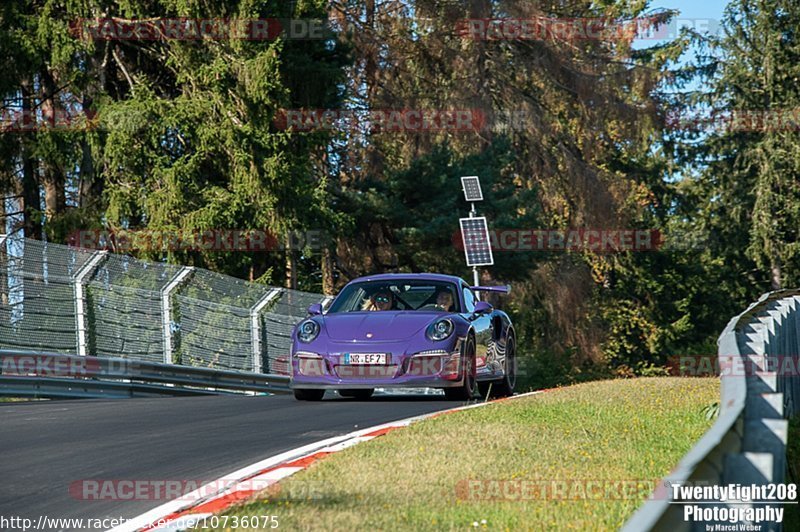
(247, 482)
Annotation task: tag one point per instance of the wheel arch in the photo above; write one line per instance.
(502, 326)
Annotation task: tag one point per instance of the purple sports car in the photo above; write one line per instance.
(404, 330)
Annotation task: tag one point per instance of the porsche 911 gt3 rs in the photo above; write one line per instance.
(405, 330)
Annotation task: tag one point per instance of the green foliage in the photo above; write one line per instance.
(742, 174)
(185, 139)
(711, 411)
(542, 369)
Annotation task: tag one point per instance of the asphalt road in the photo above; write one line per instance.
(47, 446)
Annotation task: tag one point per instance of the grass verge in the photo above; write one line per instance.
(17, 399)
(434, 474)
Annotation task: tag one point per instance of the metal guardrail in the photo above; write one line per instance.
(53, 375)
(747, 443)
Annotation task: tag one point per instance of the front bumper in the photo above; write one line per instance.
(372, 385)
(426, 369)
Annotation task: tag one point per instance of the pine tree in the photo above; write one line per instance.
(749, 169)
(568, 141)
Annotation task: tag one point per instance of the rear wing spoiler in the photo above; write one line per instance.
(498, 289)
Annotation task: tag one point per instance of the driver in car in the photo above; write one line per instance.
(380, 300)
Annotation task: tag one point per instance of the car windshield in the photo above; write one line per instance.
(411, 295)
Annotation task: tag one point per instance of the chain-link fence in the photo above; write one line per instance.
(67, 300)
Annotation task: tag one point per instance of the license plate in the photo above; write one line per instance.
(364, 358)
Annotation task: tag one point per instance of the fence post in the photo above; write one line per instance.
(166, 309)
(80, 304)
(255, 325)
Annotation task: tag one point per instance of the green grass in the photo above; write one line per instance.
(17, 399)
(414, 478)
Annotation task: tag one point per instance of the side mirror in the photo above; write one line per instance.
(482, 307)
(315, 309)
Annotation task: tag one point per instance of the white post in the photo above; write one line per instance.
(80, 305)
(326, 301)
(166, 310)
(255, 325)
(475, 277)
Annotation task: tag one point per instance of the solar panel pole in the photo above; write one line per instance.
(471, 186)
(473, 213)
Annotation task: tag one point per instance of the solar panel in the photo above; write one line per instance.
(477, 246)
(472, 188)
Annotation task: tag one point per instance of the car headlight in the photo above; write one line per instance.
(308, 331)
(440, 329)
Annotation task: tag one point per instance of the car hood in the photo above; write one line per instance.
(378, 326)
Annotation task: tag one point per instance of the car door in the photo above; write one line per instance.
(482, 324)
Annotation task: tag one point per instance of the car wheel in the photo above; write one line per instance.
(505, 386)
(469, 388)
(360, 395)
(308, 395)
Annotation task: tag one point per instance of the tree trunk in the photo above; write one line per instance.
(55, 201)
(374, 156)
(31, 200)
(3, 257)
(327, 271)
(482, 101)
(90, 189)
(775, 276)
(291, 264)
(53, 178)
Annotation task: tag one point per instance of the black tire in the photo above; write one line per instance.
(359, 395)
(308, 395)
(505, 386)
(469, 388)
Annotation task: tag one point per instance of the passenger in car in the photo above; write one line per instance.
(444, 300)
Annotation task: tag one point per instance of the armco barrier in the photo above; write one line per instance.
(747, 443)
(38, 374)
